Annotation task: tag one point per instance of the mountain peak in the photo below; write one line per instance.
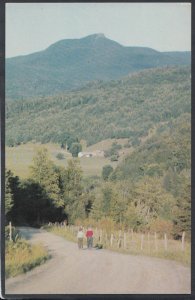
(100, 35)
(71, 63)
(95, 36)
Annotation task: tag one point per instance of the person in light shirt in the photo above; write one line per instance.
(80, 236)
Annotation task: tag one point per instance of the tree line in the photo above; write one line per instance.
(55, 194)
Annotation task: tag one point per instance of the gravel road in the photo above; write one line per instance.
(73, 271)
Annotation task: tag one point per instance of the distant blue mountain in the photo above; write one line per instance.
(72, 63)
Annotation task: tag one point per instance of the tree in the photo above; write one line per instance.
(34, 205)
(70, 140)
(72, 190)
(107, 194)
(106, 171)
(96, 211)
(121, 197)
(132, 218)
(151, 200)
(75, 148)
(15, 187)
(182, 213)
(9, 201)
(43, 172)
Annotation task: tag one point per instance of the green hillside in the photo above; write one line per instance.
(125, 108)
(70, 64)
(145, 116)
(166, 152)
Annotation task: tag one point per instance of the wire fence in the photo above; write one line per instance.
(148, 243)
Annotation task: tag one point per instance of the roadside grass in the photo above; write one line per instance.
(173, 252)
(20, 257)
(62, 231)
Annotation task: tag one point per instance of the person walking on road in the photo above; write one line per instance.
(89, 235)
(80, 236)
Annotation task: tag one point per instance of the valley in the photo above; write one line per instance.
(100, 134)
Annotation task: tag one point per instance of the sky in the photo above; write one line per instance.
(32, 27)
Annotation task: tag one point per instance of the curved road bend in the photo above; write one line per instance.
(73, 271)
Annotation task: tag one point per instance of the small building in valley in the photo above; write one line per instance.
(96, 153)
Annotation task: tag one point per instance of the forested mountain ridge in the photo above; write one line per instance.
(70, 64)
(125, 108)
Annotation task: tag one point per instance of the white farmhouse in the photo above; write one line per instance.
(96, 153)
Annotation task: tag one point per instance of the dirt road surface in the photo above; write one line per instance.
(73, 271)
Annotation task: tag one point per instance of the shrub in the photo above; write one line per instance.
(161, 227)
(106, 171)
(60, 156)
(107, 224)
(114, 158)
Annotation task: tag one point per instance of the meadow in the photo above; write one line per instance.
(19, 158)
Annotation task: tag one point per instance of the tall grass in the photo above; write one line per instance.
(21, 257)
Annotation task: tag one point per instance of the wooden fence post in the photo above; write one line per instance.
(132, 234)
(155, 241)
(183, 241)
(111, 240)
(101, 236)
(148, 241)
(142, 241)
(10, 231)
(106, 237)
(125, 241)
(165, 236)
(119, 240)
(95, 235)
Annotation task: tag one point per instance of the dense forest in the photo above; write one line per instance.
(149, 188)
(125, 108)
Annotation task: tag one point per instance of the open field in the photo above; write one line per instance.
(19, 158)
(106, 144)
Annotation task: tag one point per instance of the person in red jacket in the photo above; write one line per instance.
(89, 235)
